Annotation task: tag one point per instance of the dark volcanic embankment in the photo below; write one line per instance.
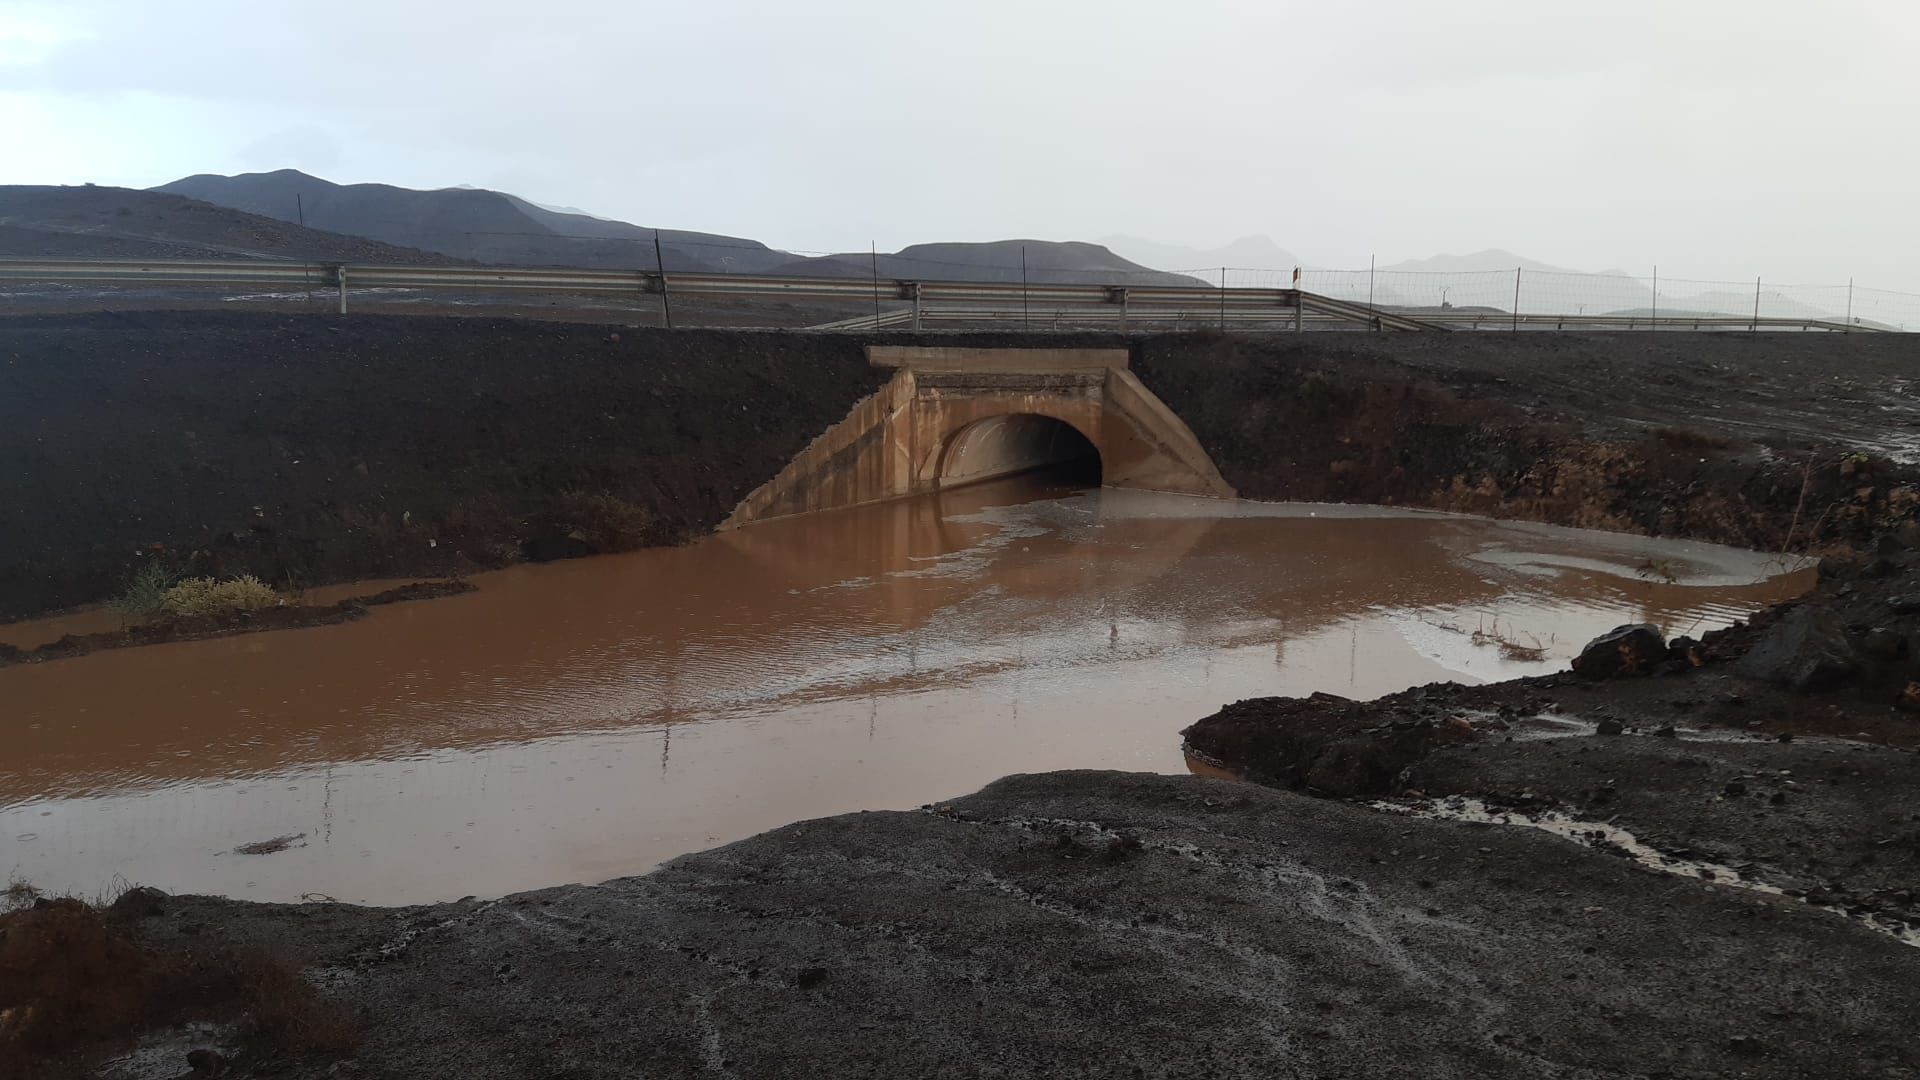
(1782, 749)
(1767, 441)
(313, 449)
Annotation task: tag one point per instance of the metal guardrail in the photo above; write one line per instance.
(928, 300)
(1504, 320)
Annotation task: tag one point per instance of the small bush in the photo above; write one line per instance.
(145, 596)
(208, 596)
(608, 522)
(73, 975)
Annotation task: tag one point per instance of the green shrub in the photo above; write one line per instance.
(208, 596)
(145, 596)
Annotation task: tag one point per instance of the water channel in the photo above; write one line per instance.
(585, 720)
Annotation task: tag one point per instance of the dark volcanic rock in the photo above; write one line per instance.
(1254, 933)
(1322, 743)
(1624, 650)
(1805, 650)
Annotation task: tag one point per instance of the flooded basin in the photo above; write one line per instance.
(586, 720)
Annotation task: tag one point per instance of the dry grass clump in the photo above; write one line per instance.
(210, 596)
(73, 979)
(67, 978)
(607, 522)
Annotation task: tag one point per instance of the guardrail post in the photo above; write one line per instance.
(914, 288)
(340, 275)
(1119, 296)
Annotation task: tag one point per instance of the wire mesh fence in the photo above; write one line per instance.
(1575, 296)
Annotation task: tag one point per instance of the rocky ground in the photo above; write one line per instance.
(1778, 442)
(1080, 924)
(1782, 750)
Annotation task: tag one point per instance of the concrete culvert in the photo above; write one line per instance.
(1018, 443)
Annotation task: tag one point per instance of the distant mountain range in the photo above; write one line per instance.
(475, 224)
(482, 226)
(1045, 262)
(123, 223)
(290, 214)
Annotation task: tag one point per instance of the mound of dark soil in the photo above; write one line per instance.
(1783, 747)
(193, 628)
(314, 449)
(1768, 441)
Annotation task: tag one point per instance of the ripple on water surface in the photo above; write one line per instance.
(578, 721)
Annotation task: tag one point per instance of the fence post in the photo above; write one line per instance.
(1754, 327)
(1653, 321)
(1370, 316)
(1849, 302)
(1025, 314)
(660, 264)
(1516, 299)
(873, 250)
(1223, 299)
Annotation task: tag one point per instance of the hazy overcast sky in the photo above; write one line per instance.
(1717, 138)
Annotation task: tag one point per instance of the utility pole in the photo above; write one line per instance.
(660, 264)
(300, 207)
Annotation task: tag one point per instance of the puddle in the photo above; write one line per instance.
(1607, 836)
(585, 720)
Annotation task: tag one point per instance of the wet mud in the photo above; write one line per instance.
(1102, 924)
(295, 616)
(1784, 747)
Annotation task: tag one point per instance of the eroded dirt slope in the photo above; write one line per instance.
(1769, 441)
(310, 449)
(318, 449)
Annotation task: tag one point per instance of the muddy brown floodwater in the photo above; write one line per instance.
(584, 720)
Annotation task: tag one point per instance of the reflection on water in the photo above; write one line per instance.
(579, 721)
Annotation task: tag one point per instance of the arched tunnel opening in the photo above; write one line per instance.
(1016, 443)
